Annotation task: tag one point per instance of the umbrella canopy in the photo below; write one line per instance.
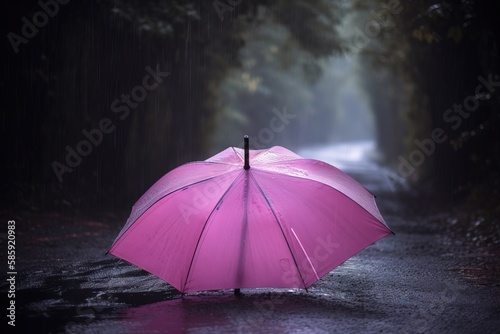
(249, 219)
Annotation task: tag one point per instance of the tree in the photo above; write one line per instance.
(96, 52)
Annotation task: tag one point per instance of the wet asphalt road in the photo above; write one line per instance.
(424, 279)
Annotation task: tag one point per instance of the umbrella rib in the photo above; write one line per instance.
(281, 228)
(205, 225)
(335, 189)
(236, 152)
(149, 206)
(305, 253)
(218, 163)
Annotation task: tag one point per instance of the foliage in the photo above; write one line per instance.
(97, 50)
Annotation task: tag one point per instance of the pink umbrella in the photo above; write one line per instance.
(249, 219)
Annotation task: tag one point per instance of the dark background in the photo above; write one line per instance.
(424, 59)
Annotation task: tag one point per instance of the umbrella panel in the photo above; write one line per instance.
(280, 224)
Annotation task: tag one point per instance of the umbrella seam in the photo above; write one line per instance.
(281, 228)
(205, 225)
(218, 163)
(305, 253)
(337, 190)
(172, 192)
(236, 152)
(120, 236)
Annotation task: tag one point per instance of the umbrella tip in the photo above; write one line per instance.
(247, 149)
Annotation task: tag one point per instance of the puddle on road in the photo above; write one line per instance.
(221, 312)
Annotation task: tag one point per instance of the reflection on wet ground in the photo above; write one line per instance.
(423, 279)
